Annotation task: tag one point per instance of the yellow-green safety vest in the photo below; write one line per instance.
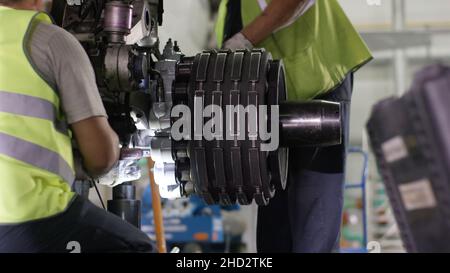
(318, 50)
(36, 161)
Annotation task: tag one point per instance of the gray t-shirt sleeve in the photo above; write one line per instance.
(63, 63)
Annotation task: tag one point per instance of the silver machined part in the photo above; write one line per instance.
(182, 153)
(164, 174)
(160, 113)
(170, 192)
(85, 37)
(169, 51)
(185, 176)
(159, 117)
(140, 121)
(73, 2)
(117, 73)
(160, 109)
(161, 148)
(149, 23)
(142, 139)
(167, 69)
(189, 188)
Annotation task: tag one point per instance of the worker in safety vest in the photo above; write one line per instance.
(48, 95)
(321, 50)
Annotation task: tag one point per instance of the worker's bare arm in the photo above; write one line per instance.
(276, 14)
(98, 144)
(65, 65)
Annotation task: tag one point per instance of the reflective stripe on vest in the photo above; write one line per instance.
(262, 4)
(25, 105)
(35, 155)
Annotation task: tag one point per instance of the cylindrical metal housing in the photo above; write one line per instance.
(118, 20)
(314, 123)
(125, 205)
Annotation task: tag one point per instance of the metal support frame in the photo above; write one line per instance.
(400, 58)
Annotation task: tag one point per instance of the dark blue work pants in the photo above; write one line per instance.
(307, 216)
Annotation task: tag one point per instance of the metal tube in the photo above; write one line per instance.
(314, 123)
(125, 205)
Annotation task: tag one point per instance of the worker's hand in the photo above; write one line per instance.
(238, 41)
(123, 171)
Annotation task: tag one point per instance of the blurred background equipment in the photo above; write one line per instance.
(195, 227)
(404, 36)
(410, 138)
(354, 218)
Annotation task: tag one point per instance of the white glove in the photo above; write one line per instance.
(238, 41)
(124, 171)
